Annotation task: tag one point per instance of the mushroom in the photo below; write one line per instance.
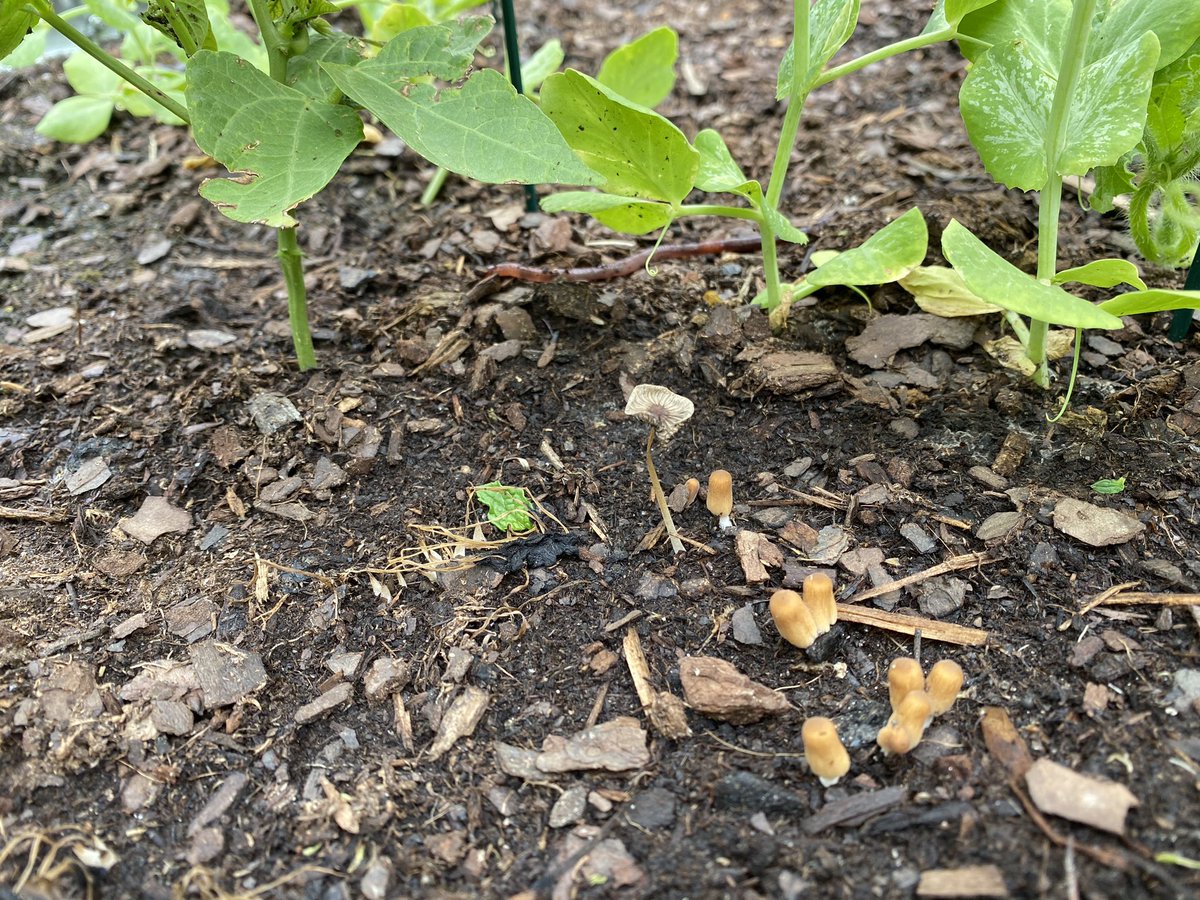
(664, 411)
(904, 676)
(818, 597)
(907, 725)
(823, 750)
(720, 497)
(793, 618)
(693, 490)
(942, 684)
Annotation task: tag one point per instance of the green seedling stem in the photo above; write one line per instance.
(1074, 53)
(291, 258)
(45, 11)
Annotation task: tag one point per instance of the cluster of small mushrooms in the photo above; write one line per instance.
(801, 617)
(915, 698)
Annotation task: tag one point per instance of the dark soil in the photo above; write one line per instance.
(170, 789)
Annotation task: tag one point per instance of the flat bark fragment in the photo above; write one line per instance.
(855, 809)
(716, 689)
(785, 372)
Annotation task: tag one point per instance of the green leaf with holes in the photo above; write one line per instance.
(283, 146)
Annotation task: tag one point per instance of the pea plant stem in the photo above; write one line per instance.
(1074, 54)
(291, 261)
(291, 258)
(45, 11)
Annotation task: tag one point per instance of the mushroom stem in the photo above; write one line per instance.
(661, 499)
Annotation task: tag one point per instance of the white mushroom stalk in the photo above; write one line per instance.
(664, 411)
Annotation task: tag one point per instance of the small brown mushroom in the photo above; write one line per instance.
(893, 740)
(720, 497)
(823, 750)
(793, 618)
(904, 676)
(818, 597)
(693, 491)
(665, 411)
(942, 684)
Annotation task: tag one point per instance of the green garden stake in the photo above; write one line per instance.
(1182, 320)
(512, 54)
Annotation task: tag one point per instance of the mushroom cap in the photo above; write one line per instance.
(818, 597)
(823, 749)
(793, 619)
(659, 407)
(720, 493)
(913, 715)
(904, 676)
(893, 739)
(942, 684)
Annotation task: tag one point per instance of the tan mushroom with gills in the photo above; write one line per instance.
(720, 497)
(823, 750)
(664, 411)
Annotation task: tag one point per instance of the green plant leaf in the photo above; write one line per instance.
(622, 214)
(541, 65)
(484, 130)
(1137, 302)
(442, 51)
(942, 292)
(1040, 26)
(951, 12)
(637, 151)
(87, 76)
(1108, 109)
(1176, 25)
(887, 255)
(304, 71)
(508, 508)
(1005, 101)
(643, 71)
(718, 172)
(1103, 273)
(1109, 485)
(77, 119)
(994, 279)
(15, 23)
(287, 145)
(830, 24)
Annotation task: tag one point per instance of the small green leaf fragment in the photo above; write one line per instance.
(830, 24)
(1109, 485)
(508, 507)
(1176, 859)
(541, 65)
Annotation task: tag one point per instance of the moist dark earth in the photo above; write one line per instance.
(293, 672)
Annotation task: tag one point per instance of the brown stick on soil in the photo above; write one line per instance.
(1138, 598)
(930, 629)
(953, 564)
(623, 267)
